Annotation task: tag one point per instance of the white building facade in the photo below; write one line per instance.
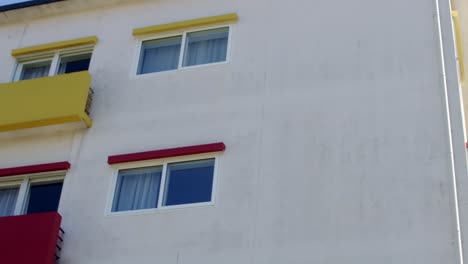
(237, 131)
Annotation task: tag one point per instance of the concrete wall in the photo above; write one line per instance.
(462, 8)
(332, 112)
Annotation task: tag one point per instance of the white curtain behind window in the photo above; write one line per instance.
(137, 189)
(32, 72)
(206, 46)
(8, 201)
(160, 55)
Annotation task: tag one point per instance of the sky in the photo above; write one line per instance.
(8, 2)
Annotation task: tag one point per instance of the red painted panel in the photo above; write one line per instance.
(29, 239)
(166, 153)
(57, 166)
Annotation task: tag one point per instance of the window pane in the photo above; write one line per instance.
(159, 55)
(137, 189)
(35, 70)
(74, 63)
(189, 182)
(206, 46)
(44, 198)
(8, 199)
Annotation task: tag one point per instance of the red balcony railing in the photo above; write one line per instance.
(30, 239)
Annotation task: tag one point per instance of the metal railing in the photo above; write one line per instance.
(89, 101)
(58, 246)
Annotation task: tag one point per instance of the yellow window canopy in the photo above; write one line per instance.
(55, 45)
(205, 21)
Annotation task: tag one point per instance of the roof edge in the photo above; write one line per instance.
(26, 4)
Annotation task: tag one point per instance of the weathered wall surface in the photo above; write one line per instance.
(462, 8)
(333, 116)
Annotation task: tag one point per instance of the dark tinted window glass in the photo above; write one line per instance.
(189, 182)
(44, 198)
(74, 63)
(76, 66)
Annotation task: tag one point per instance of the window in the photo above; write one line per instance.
(137, 189)
(206, 46)
(159, 55)
(35, 70)
(188, 182)
(185, 50)
(164, 186)
(27, 195)
(53, 63)
(74, 63)
(8, 198)
(43, 197)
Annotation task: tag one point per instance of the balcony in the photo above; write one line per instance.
(30, 239)
(46, 101)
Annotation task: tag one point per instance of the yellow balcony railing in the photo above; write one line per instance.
(46, 101)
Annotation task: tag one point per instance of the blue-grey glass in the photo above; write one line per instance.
(44, 198)
(159, 55)
(35, 70)
(189, 182)
(137, 189)
(8, 199)
(206, 46)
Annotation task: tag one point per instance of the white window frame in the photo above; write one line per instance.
(24, 182)
(164, 163)
(183, 34)
(52, 56)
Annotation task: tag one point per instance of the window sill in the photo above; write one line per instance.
(187, 68)
(160, 210)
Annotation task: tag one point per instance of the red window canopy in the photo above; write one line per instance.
(56, 166)
(167, 153)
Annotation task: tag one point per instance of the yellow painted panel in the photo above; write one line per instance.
(86, 119)
(55, 45)
(227, 18)
(461, 61)
(40, 123)
(44, 101)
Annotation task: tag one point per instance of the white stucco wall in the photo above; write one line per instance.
(333, 117)
(462, 8)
